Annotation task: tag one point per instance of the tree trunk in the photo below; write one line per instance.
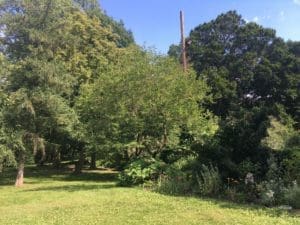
(57, 159)
(93, 161)
(79, 164)
(20, 174)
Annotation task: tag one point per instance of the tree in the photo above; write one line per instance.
(250, 71)
(175, 52)
(258, 63)
(88, 5)
(142, 106)
(294, 47)
(7, 157)
(124, 37)
(39, 84)
(56, 50)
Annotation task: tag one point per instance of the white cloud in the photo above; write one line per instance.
(297, 2)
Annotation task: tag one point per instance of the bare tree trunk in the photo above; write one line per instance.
(79, 164)
(139, 140)
(93, 161)
(57, 158)
(20, 174)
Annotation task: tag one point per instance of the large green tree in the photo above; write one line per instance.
(124, 37)
(252, 59)
(141, 107)
(54, 48)
(37, 84)
(6, 151)
(252, 74)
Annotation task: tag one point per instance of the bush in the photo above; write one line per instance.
(291, 164)
(267, 195)
(247, 166)
(234, 195)
(173, 182)
(292, 196)
(272, 192)
(272, 189)
(177, 178)
(140, 171)
(209, 181)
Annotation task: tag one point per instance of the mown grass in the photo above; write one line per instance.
(58, 197)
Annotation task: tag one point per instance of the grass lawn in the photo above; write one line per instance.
(58, 197)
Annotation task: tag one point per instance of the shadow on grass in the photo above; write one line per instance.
(35, 175)
(7, 177)
(89, 176)
(258, 209)
(226, 204)
(73, 187)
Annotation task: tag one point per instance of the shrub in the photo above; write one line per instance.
(177, 178)
(271, 192)
(267, 197)
(292, 196)
(140, 171)
(247, 166)
(291, 164)
(174, 182)
(234, 195)
(209, 181)
(272, 189)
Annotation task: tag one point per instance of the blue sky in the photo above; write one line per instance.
(155, 23)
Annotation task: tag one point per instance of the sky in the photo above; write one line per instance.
(155, 23)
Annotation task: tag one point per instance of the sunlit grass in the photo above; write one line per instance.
(56, 197)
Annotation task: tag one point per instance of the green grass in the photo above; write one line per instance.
(58, 197)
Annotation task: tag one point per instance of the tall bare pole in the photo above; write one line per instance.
(183, 48)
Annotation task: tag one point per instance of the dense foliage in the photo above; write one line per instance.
(74, 86)
(141, 108)
(255, 83)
